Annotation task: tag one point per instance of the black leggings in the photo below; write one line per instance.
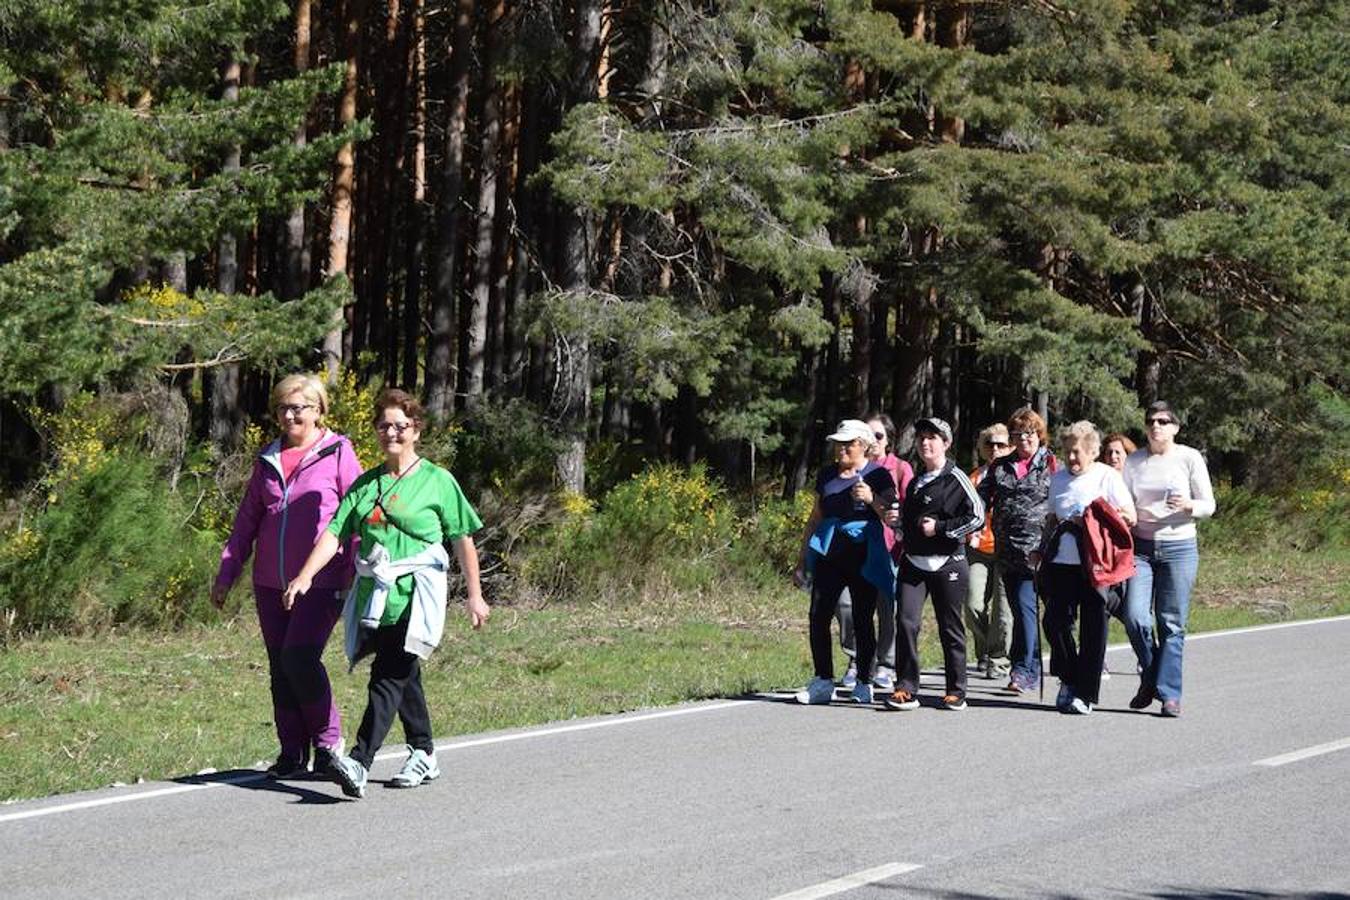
(947, 586)
(841, 569)
(395, 687)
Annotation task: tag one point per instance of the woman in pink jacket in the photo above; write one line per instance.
(297, 482)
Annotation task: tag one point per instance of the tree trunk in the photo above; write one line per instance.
(502, 256)
(490, 133)
(416, 244)
(379, 240)
(952, 26)
(1148, 364)
(227, 423)
(344, 177)
(295, 278)
(575, 360)
(440, 344)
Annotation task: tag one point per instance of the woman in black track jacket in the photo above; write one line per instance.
(941, 510)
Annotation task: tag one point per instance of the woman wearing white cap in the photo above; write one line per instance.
(844, 547)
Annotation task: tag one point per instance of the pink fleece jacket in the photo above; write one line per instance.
(280, 519)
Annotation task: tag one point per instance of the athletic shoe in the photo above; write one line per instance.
(288, 767)
(1065, 697)
(861, 693)
(1144, 697)
(420, 767)
(1077, 707)
(902, 700)
(954, 702)
(325, 757)
(883, 682)
(1171, 709)
(820, 690)
(350, 775)
(850, 678)
(996, 672)
(1106, 674)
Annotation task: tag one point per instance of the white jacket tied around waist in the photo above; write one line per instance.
(426, 615)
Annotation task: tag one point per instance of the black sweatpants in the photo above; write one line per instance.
(947, 586)
(842, 568)
(395, 687)
(1067, 597)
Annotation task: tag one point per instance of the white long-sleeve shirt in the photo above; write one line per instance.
(1150, 476)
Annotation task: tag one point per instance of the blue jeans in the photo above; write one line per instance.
(1161, 594)
(1020, 588)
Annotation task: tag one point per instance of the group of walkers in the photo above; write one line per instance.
(1102, 530)
(1090, 538)
(328, 540)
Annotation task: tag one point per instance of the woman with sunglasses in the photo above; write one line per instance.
(844, 548)
(883, 433)
(1017, 490)
(1171, 488)
(403, 511)
(292, 494)
(988, 616)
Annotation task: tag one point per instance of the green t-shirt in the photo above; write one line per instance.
(428, 507)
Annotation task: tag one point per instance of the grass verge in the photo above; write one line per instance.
(78, 713)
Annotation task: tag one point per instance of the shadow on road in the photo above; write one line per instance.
(253, 780)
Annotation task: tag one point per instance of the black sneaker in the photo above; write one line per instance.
(1144, 697)
(288, 767)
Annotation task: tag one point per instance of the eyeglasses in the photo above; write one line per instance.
(1159, 421)
(879, 435)
(293, 409)
(1023, 435)
(998, 443)
(397, 427)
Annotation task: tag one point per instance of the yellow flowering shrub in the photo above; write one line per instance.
(350, 404)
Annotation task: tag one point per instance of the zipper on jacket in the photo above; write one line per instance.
(309, 460)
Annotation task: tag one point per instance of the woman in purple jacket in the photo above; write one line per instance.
(297, 482)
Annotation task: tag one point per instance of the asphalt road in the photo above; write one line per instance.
(761, 798)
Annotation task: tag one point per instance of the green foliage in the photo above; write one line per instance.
(1310, 513)
(110, 547)
(115, 143)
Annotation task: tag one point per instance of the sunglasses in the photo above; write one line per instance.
(293, 409)
(397, 427)
(879, 435)
(997, 443)
(1160, 421)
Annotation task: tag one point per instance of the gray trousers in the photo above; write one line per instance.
(988, 615)
(885, 630)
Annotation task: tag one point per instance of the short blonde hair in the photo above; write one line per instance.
(308, 386)
(997, 431)
(1083, 432)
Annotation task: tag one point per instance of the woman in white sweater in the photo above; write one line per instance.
(1171, 489)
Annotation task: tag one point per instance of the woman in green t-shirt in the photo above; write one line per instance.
(403, 512)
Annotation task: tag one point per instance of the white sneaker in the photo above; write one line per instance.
(861, 693)
(1078, 707)
(420, 767)
(884, 682)
(1106, 674)
(820, 690)
(850, 678)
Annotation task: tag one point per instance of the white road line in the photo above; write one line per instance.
(849, 882)
(127, 798)
(1285, 759)
(581, 726)
(391, 754)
